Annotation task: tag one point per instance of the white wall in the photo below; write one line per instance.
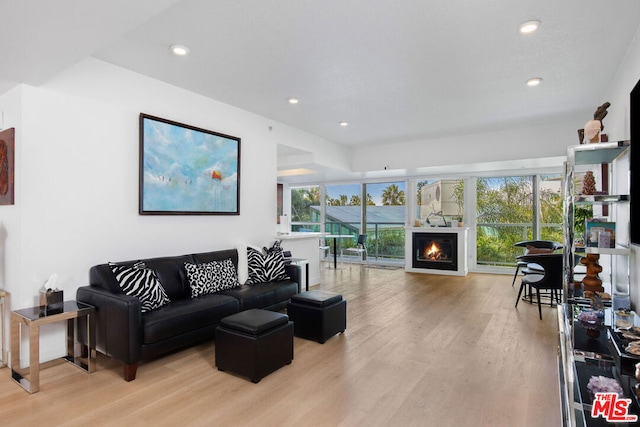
(545, 141)
(77, 180)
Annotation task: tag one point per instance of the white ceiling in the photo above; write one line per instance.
(396, 70)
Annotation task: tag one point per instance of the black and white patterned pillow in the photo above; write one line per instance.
(141, 282)
(276, 247)
(200, 278)
(210, 277)
(265, 267)
(225, 275)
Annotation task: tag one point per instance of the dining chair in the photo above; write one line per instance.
(550, 279)
(533, 247)
(360, 249)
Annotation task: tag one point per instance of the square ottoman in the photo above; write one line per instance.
(317, 315)
(254, 343)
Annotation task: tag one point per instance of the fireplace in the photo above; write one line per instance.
(438, 251)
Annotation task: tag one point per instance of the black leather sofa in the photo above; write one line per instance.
(125, 333)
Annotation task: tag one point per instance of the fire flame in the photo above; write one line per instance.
(433, 252)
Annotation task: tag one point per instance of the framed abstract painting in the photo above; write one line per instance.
(7, 159)
(185, 170)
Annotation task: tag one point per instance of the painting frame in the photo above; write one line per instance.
(600, 233)
(187, 170)
(7, 166)
(279, 202)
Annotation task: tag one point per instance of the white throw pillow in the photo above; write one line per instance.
(243, 269)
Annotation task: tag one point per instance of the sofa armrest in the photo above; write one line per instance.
(294, 271)
(118, 323)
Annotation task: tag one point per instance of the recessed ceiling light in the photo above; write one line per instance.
(293, 100)
(344, 124)
(529, 27)
(535, 81)
(179, 49)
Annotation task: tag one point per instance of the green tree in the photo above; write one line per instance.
(501, 204)
(301, 201)
(420, 184)
(340, 201)
(392, 196)
(504, 204)
(458, 196)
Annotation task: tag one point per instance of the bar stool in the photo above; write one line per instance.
(360, 249)
(324, 250)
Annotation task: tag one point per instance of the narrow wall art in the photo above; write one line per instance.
(7, 161)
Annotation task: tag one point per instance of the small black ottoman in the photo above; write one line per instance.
(254, 343)
(317, 315)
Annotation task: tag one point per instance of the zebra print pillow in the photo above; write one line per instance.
(265, 268)
(139, 281)
(210, 277)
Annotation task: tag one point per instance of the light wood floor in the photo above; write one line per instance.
(419, 350)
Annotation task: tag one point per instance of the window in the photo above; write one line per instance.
(384, 217)
(439, 201)
(343, 209)
(382, 213)
(305, 208)
(513, 209)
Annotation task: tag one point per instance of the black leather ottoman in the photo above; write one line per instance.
(317, 315)
(254, 343)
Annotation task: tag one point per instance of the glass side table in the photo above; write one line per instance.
(32, 318)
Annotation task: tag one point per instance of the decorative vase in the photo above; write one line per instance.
(591, 281)
(592, 131)
(588, 183)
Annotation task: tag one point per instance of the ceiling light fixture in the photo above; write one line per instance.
(535, 81)
(179, 49)
(529, 27)
(344, 124)
(293, 100)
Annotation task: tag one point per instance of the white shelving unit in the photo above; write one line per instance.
(594, 155)
(579, 354)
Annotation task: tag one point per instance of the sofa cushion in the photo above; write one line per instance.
(141, 282)
(184, 315)
(262, 295)
(170, 270)
(216, 256)
(263, 267)
(532, 250)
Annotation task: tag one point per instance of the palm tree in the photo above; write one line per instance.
(356, 200)
(392, 196)
(340, 201)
